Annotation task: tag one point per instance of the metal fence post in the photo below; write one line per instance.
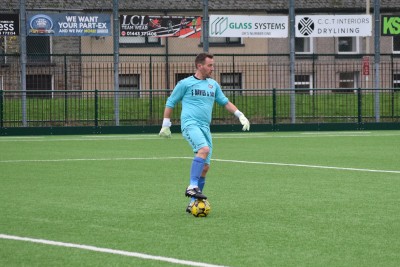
(234, 85)
(1, 108)
(205, 26)
(359, 106)
(116, 60)
(292, 61)
(151, 89)
(96, 108)
(23, 59)
(273, 106)
(377, 14)
(65, 89)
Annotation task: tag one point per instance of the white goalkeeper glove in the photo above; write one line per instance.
(243, 120)
(165, 129)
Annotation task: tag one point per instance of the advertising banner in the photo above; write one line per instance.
(9, 24)
(160, 26)
(390, 25)
(68, 24)
(333, 25)
(249, 26)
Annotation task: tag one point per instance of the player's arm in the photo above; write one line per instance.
(173, 99)
(165, 128)
(243, 120)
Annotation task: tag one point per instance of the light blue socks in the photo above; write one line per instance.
(195, 171)
(195, 174)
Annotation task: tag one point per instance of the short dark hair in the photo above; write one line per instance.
(201, 58)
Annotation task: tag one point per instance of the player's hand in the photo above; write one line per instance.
(165, 128)
(165, 132)
(245, 122)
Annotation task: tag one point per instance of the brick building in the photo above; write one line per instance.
(75, 63)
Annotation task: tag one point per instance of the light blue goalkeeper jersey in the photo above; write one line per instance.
(198, 97)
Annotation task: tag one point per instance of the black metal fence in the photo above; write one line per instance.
(233, 71)
(261, 106)
(78, 90)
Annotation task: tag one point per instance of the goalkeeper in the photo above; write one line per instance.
(198, 94)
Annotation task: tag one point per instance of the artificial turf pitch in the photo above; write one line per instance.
(278, 199)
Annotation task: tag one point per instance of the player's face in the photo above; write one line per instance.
(207, 68)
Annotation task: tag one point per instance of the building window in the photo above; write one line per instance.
(302, 82)
(396, 82)
(38, 49)
(39, 85)
(223, 41)
(181, 76)
(348, 45)
(139, 41)
(396, 44)
(303, 45)
(231, 81)
(129, 85)
(348, 81)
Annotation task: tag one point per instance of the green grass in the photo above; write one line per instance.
(81, 108)
(275, 207)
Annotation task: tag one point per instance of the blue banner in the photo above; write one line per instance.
(68, 24)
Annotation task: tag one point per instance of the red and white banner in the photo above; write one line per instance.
(160, 26)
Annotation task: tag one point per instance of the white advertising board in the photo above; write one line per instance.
(333, 25)
(249, 26)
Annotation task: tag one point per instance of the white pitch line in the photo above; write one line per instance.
(108, 250)
(221, 160)
(93, 159)
(177, 136)
(306, 166)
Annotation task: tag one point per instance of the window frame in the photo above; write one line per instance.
(235, 84)
(309, 83)
(354, 80)
(227, 41)
(182, 75)
(311, 45)
(145, 43)
(393, 46)
(132, 88)
(39, 59)
(356, 46)
(396, 82)
(40, 78)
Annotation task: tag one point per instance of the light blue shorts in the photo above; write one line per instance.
(198, 137)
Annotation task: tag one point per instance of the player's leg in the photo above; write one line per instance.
(207, 134)
(202, 179)
(198, 142)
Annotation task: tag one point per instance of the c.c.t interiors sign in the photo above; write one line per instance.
(333, 25)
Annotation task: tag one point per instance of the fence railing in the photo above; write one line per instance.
(147, 72)
(46, 108)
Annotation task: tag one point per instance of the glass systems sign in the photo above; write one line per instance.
(249, 26)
